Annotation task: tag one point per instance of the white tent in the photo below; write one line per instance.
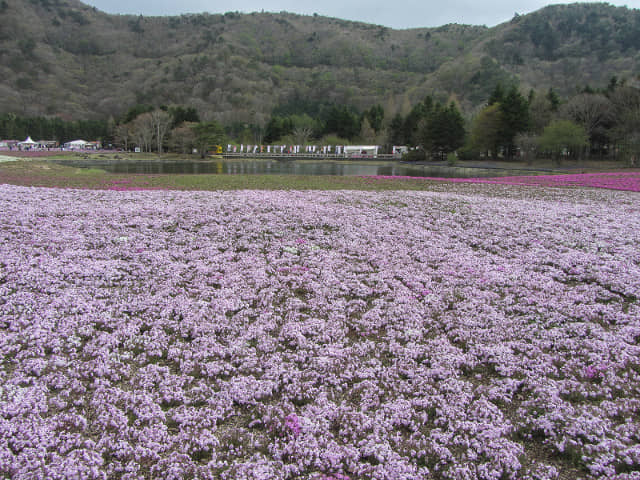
(76, 144)
(361, 150)
(28, 142)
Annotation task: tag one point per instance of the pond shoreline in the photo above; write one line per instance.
(541, 165)
(544, 165)
(310, 167)
(326, 166)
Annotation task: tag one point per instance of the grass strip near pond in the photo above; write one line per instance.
(49, 174)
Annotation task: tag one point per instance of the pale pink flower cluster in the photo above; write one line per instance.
(490, 332)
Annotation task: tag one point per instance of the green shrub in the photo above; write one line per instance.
(417, 155)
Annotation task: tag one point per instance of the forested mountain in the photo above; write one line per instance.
(64, 58)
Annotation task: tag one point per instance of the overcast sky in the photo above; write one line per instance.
(391, 13)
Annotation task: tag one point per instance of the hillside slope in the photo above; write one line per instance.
(62, 57)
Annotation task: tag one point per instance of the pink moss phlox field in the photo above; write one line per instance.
(616, 181)
(319, 335)
(629, 181)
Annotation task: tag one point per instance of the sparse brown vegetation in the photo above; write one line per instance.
(61, 57)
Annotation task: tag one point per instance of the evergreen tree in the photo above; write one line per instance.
(396, 130)
(277, 127)
(553, 99)
(443, 131)
(208, 134)
(375, 116)
(136, 110)
(497, 96)
(181, 114)
(342, 121)
(515, 118)
(416, 116)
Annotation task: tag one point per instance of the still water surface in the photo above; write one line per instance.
(290, 167)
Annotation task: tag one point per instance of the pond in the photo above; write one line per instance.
(290, 167)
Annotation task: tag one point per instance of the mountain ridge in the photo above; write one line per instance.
(65, 58)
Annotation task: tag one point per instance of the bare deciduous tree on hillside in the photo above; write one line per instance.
(626, 106)
(142, 131)
(367, 134)
(122, 135)
(540, 113)
(161, 122)
(527, 143)
(183, 138)
(301, 135)
(592, 111)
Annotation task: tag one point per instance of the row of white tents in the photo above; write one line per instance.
(29, 143)
(73, 144)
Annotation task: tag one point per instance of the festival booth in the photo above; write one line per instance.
(399, 150)
(10, 144)
(28, 144)
(76, 144)
(361, 151)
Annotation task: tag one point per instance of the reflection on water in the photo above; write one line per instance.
(290, 167)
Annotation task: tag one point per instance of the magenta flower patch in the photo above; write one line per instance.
(292, 423)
